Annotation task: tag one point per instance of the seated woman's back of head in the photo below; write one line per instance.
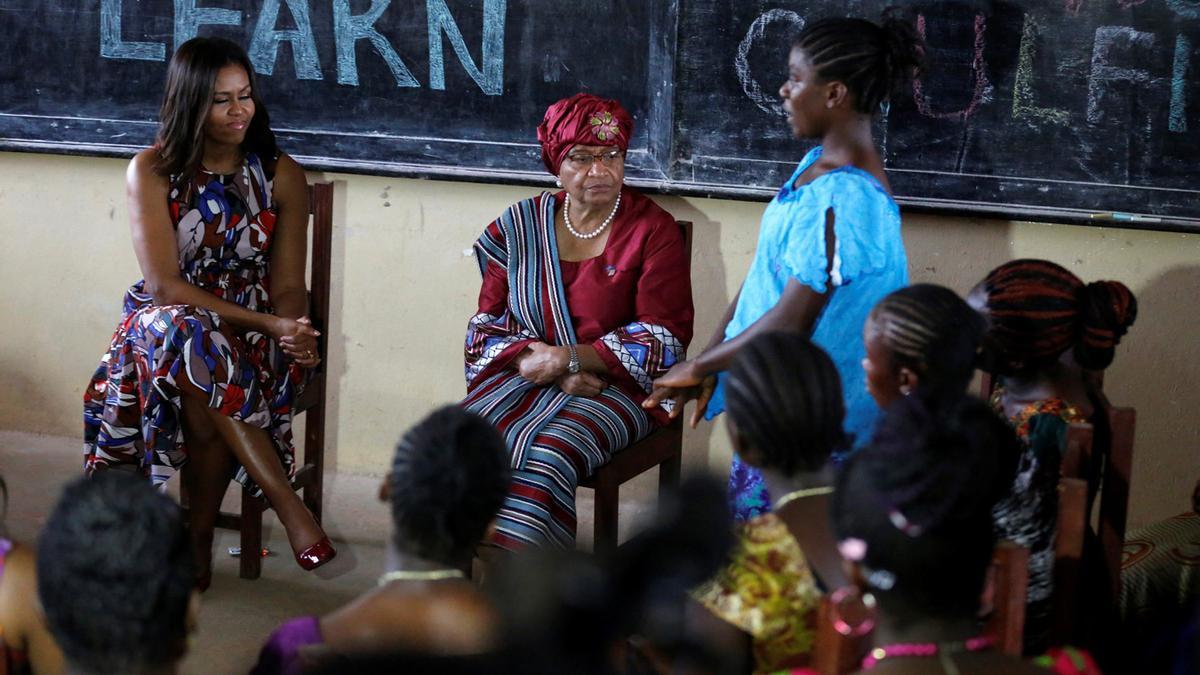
(448, 477)
(115, 576)
(784, 400)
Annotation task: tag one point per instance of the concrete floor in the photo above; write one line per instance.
(237, 615)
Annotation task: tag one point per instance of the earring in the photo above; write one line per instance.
(849, 598)
(558, 182)
(885, 107)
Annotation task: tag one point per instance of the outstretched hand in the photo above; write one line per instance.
(681, 384)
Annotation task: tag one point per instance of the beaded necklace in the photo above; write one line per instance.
(800, 494)
(926, 649)
(420, 575)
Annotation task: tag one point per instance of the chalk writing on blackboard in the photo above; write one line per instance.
(349, 29)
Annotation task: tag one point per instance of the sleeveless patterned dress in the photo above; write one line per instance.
(132, 409)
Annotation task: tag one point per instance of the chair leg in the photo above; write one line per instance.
(604, 526)
(668, 474)
(252, 517)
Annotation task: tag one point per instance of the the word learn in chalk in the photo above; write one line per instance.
(349, 29)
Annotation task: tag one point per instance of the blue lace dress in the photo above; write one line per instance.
(869, 262)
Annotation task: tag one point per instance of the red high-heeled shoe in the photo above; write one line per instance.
(316, 555)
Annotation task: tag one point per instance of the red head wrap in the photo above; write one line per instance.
(583, 119)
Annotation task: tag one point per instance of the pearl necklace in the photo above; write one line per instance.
(594, 233)
(800, 494)
(420, 575)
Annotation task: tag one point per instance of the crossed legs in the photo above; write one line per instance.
(215, 443)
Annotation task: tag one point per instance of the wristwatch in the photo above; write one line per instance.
(573, 363)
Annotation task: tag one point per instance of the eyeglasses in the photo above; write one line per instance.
(584, 160)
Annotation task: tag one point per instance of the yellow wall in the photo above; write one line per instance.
(403, 290)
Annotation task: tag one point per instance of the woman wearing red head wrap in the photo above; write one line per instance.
(585, 300)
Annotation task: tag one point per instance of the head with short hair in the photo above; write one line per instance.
(449, 476)
(913, 509)
(115, 575)
(923, 340)
(191, 78)
(1036, 310)
(784, 400)
(872, 60)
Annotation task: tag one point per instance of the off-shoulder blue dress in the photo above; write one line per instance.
(869, 262)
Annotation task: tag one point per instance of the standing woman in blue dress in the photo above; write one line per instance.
(829, 246)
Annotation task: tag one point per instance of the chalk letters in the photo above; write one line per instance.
(1109, 41)
(189, 17)
(111, 44)
(491, 77)
(264, 48)
(349, 29)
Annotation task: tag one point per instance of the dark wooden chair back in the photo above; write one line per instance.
(1010, 583)
(310, 475)
(833, 652)
(662, 448)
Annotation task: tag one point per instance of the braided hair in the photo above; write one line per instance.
(1037, 310)
(873, 61)
(449, 476)
(920, 498)
(934, 333)
(784, 397)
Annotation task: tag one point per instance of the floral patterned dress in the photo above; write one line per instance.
(132, 408)
(768, 591)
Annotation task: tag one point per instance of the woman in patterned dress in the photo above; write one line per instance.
(1037, 312)
(785, 406)
(829, 245)
(585, 300)
(214, 342)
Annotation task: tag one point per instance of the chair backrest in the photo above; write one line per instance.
(1010, 583)
(1114, 488)
(320, 205)
(833, 652)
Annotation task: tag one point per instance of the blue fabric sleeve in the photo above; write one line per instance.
(864, 218)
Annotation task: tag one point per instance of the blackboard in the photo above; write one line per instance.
(1051, 110)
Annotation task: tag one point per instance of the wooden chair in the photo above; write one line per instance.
(1070, 535)
(1010, 583)
(1114, 488)
(310, 476)
(835, 653)
(662, 448)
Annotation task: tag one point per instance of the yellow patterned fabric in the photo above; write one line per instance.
(768, 591)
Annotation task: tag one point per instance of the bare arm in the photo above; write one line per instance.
(797, 311)
(20, 614)
(289, 248)
(155, 246)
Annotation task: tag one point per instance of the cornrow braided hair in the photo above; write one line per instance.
(784, 396)
(449, 475)
(1038, 310)
(930, 330)
(873, 61)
